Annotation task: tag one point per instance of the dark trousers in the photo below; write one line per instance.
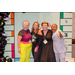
(37, 54)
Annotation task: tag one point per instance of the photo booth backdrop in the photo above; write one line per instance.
(13, 26)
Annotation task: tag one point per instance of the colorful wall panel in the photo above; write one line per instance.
(9, 30)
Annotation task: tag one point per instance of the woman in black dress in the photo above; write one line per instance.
(36, 41)
(47, 54)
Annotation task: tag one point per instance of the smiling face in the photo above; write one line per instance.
(35, 26)
(44, 26)
(25, 25)
(54, 28)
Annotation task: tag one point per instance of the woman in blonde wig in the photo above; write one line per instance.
(24, 42)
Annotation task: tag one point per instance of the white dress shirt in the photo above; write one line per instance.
(59, 45)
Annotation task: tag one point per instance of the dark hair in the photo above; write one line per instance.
(55, 24)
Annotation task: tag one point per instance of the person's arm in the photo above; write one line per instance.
(40, 32)
(49, 36)
(19, 37)
(18, 42)
(40, 40)
(60, 33)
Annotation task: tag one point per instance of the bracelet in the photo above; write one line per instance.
(36, 48)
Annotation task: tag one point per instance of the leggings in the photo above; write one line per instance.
(25, 52)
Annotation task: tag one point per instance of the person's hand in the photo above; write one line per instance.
(35, 50)
(19, 50)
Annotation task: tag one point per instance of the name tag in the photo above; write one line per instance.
(45, 41)
(33, 40)
(30, 41)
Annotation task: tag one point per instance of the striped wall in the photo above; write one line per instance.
(66, 27)
(9, 30)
